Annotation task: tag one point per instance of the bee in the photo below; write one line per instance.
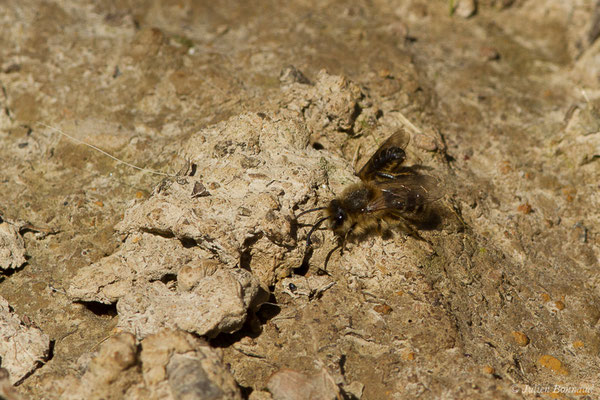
(389, 194)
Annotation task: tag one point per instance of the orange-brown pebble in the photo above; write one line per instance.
(139, 195)
(99, 203)
(520, 338)
(553, 364)
(525, 208)
(408, 355)
(578, 344)
(383, 309)
(545, 297)
(487, 369)
(559, 305)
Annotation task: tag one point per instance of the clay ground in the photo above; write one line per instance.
(505, 299)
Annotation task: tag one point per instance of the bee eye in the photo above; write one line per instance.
(339, 218)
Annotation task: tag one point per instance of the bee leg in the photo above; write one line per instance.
(345, 239)
(385, 175)
(383, 227)
(397, 172)
(415, 233)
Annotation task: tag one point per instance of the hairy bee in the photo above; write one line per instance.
(389, 194)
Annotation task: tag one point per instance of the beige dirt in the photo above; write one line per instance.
(276, 105)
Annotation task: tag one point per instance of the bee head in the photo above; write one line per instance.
(337, 216)
(339, 219)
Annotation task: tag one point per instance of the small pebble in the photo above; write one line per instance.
(488, 370)
(465, 8)
(559, 305)
(520, 338)
(383, 309)
(525, 208)
(553, 364)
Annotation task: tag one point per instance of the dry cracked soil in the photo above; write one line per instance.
(181, 271)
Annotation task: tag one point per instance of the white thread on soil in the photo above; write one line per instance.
(104, 152)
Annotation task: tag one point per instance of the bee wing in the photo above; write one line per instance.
(406, 193)
(388, 158)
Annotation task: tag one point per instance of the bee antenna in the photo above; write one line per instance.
(314, 228)
(311, 210)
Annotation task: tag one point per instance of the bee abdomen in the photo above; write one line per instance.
(388, 159)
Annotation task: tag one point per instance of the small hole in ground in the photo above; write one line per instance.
(100, 309)
(168, 278)
(188, 243)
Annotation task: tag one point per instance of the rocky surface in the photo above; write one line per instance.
(24, 347)
(12, 247)
(174, 365)
(240, 116)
